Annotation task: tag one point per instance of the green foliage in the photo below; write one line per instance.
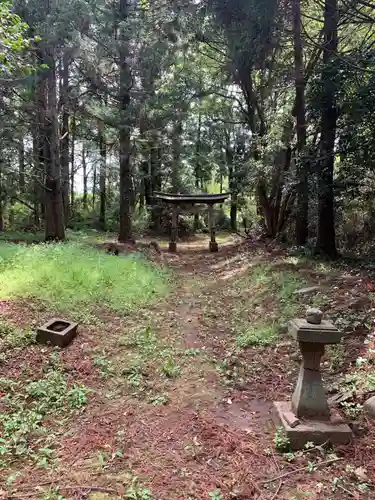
(136, 491)
(215, 495)
(21, 237)
(12, 337)
(281, 440)
(336, 355)
(53, 493)
(170, 368)
(262, 282)
(52, 393)
(28, 407)
(159, 400)
(12, 41)
(144, 339)
(73, 278)
(105, 366)
(352, 410)
(261, 335)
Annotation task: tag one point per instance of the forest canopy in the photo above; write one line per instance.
(104, 103)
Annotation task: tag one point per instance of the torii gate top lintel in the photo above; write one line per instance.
(192, 199)
(204, 198)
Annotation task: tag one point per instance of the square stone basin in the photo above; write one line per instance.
(58, 332)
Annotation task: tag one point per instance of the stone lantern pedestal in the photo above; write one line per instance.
(307, 417)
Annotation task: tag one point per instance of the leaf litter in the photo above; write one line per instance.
(212, 430)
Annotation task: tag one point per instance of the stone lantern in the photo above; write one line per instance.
(307, 418)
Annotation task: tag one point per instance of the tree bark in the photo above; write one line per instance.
(21, 166)
(1, 198)
(102, 177)
(40, 144)
(65, 135)
(176, 157)
(54, 210)
(233, 211)
(156, 161)
(198, 166)
(302, 165)
(72, 158)
(84, 168)
(94, 184)
(36, 174)
(326, 243)
(126, 187)
(232, 187)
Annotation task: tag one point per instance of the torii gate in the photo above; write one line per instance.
(193, 202)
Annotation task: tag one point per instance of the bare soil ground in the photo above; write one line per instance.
(182, 411)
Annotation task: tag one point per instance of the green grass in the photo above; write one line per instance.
(89, 236)
(13, 338)
(261, 335)
(266, 283)
(71, 277)
(21, 236)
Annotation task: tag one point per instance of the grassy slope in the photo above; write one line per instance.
(70, 277)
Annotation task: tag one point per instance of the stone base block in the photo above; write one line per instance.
(301, 432)
(173, 246)
(58, 332)
(214, 247)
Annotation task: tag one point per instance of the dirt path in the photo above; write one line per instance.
(178, 410)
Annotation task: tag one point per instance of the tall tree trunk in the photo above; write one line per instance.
(176, 155)
(141, 195)
(41, 142)
(37, 175)
(155, 164)
(155, 168)
(198, 166)
(326, 221)
(84, 168)
(102, 177)
(21, 166)
(126, 185)
(72, 159)
(94, 184)
(64, 143)
(233, 188)
(233, 211)
(302, 165)
(54, 209)
(145, 189)
(1, 197)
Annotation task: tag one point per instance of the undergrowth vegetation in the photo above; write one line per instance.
(75, 278)
(27, 410)
(262, 283)
(144, 363)
(12, 338)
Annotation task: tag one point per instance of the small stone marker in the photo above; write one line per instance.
(369, 407)
(307, 290)
(309, 406)
(58, 332)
